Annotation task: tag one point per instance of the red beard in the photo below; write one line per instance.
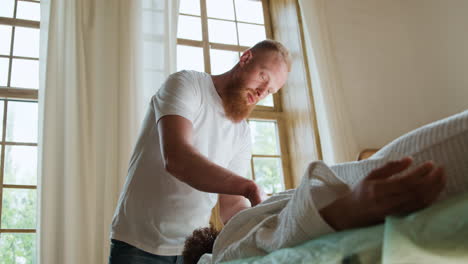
(235, 102)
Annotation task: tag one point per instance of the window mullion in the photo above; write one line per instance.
(12, 42)
(265, 156)
(266, 115)
(19, 22)
(17, 231)
(18, 57)
(19, 144)
(235, 21)
(20, 186)
(267, 19)
(5, 109)
(32, 1)
(19, 93)
(229, 47)
(252, 171)
(184, 14)
(283, 144)
(205, 36)
(189, 42)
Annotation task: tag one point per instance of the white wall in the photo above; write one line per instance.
(402, 63)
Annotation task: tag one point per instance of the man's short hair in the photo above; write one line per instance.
(273, 45)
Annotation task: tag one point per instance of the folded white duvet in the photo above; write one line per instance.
(290, 218)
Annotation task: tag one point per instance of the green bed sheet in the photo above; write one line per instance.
(438, 234)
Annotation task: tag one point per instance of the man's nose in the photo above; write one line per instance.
(261, 91)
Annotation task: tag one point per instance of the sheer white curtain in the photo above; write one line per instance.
(100, 63)
(337, 139)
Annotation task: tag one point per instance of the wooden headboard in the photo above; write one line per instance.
(366, 153)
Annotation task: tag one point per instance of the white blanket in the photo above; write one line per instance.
(292, 217)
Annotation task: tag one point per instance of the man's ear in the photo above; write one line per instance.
(246, 58)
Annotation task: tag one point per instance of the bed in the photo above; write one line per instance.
(437, 234)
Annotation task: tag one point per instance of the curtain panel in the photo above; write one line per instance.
(336, 135)
(100, 62)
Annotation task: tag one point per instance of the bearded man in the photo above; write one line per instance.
(194, 145)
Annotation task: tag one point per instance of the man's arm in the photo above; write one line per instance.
(230, 205)
(379, 195)
(185, 163)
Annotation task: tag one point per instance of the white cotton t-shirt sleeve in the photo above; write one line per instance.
(179, 95)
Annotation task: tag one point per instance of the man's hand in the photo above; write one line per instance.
(253, 193)
(381, 194)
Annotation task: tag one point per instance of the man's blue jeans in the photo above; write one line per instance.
(123, 253)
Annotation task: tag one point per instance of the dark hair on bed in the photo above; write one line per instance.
(200, 242)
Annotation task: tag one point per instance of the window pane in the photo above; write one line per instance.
(190, 7)
(28, 10)
(223, 60)
(249, 173)
(26, 42)
(3, 71)
(264, 137)
(190, 58)
(222, 31)
(21, 122)
(20, 165)
(249, 35)
(220, 9)
(189, 28)
(269, 174)
(7, 8)
(154, 55)
(249, 11)
(154, 4)
(267, 101)
(151, 79)
(25, 73)
(153, 23)
(19, 209)
(5, 36)
(16, 248)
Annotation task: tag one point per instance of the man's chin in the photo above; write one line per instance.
(237, 116)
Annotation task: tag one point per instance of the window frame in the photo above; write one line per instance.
(15, 94)
(262, 113)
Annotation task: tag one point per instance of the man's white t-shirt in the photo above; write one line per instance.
(156, 211)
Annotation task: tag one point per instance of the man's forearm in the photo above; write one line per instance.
(230, 205)
(225, 217)
(343, 214)
(197, 171)
(337, 215)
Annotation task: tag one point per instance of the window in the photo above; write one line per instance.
(212, 34)
(19, 81)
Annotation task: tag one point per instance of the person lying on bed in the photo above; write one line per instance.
(410, 173)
